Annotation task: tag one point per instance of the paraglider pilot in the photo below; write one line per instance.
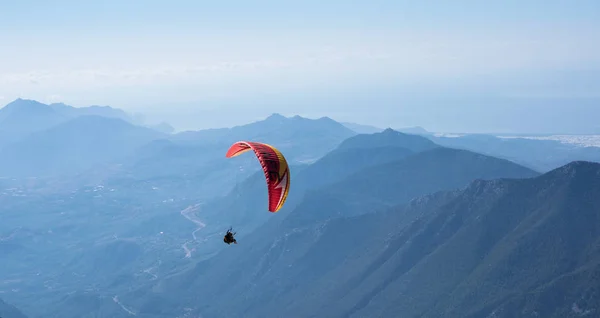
(228, 238)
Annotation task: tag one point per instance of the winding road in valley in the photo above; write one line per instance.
(190, 215)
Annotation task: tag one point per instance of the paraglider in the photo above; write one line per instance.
(229, 237)
(276, 170)
(275, 167)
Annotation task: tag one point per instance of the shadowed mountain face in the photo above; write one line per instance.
(505, 247)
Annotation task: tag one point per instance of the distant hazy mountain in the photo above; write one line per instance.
(72, 146)
(506, 247)
(541, 155)
(289, 135)
(104, 111)
(387, 138)
(24, 116)
(9, 311)
(110, 112)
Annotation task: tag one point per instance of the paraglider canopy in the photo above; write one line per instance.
(274, 165)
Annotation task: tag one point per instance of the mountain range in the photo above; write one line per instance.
(503, 247)
(116, 219)
(23, 116)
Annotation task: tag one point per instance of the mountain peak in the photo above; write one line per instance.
(396, 132)
(580, 165)
(25, 116)
(389, 138)
(576, 169)
(25, 103)
(276, 116)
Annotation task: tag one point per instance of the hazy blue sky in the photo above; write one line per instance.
(446, 65)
